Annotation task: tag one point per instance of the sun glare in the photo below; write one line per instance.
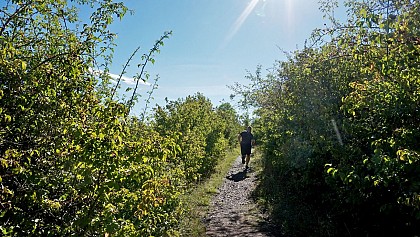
(270, 11)
(289, 13)
(239, 21)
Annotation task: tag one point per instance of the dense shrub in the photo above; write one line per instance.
(338, 122)
(204, 133)
(72, 162)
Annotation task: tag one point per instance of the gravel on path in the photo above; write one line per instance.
(232, 210)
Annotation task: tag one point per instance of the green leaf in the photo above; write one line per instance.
(331, 170)
(363, 12)
(23, 65)
(7, 118)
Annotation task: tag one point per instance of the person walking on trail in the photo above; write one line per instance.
(246, 139)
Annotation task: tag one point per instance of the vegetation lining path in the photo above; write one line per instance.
(232, 211)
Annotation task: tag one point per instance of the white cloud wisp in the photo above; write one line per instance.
(130, 81)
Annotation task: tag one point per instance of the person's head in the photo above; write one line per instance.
(249, 128)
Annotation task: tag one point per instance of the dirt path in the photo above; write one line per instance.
(232, 211)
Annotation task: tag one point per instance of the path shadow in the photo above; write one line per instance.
(238, 176)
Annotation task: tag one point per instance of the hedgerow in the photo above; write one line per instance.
(338, 122)
(73, 161)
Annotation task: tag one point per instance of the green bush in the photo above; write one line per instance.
(202, 133)
(338, 124)
(72, 162)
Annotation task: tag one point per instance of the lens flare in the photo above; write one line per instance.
(337, 132)
(261, 10)
(289, 13)
(240, 21)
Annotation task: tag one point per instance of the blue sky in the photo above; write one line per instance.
(214, 42)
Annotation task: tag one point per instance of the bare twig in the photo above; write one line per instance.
(123, 71)
(147, 58)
